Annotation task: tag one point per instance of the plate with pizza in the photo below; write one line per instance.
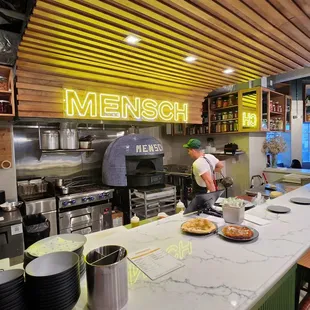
(239, 233)
(199, 226)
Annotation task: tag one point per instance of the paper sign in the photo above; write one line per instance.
(154, 262)
(16, 229)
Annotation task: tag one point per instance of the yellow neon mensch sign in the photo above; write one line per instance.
(93, 105)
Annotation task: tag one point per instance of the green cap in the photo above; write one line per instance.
(192, 144)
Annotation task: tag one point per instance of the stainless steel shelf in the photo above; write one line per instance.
(67, 151)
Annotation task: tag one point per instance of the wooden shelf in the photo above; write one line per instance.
(276, 113)
(5, 92)
(224, 133)
(62, 151)
(225, 120)
(226, 108)
(6, 115)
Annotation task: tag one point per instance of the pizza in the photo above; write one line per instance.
(237, 232)
(198, 226)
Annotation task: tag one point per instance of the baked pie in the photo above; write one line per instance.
(198, 226)
(237, 232)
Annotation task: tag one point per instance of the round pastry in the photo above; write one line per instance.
(198, 226)
(275, 194)
(237, 232)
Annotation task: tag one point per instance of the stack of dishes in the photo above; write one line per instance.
(53, 281)
(64, 242)
(12, 289)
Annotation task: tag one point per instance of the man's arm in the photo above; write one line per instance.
(209, 181)
(218, 167)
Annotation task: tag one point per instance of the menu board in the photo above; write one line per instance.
(155, 262)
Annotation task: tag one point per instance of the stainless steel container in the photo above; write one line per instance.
(50, 140)
(107, 278)
(68, 136)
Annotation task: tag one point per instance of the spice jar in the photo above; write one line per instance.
(213, 117)
(235, 114)
(3, 83)
(213, 104)
(230, 126)
(271, 106)
(213, 127)
(218, 127)
(280, 124)
(224, 115)
(225, 103)
(230, 100)
(230, 115)
(224, 127)
(219, 116)
(219, 102)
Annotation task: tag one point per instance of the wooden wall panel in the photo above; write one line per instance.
(5, 145)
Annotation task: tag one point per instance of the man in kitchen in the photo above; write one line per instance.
(203, 168)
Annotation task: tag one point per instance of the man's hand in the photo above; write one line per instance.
(209, 181)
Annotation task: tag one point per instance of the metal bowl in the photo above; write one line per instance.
(11, 206)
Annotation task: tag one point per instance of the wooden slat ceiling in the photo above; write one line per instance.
(83, 40)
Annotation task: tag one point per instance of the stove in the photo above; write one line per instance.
(85, 210)
(83, 195)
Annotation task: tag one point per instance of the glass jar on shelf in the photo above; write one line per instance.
(230, 126)
(213, 104)
(280, 124)
(272, 124)
(213, 117)
(224, 116)
(219, 116)
(236, 127)
(213, 127)
(230, 115)
(271, 106)
(218, 127)
(235, 114)
(230, 100)
(224, 127)
(279, 108)
(219, 102)
(225, 103)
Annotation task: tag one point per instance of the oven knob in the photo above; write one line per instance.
(84, 199)
(73, 201)
(102, 195)
(65, 203)
(91, 198)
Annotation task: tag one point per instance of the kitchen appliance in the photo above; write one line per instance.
(11, 234)
(68, 136)
(59, 182)
(135, 161)
(39, 202)
(85, 210)
(107, 278)
(50, 140)
(2, 197)
(11, 206)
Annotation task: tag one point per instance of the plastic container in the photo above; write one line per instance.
(180, 205)
(233, 215)
(135, 221)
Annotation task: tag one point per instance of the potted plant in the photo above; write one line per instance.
(274, 146)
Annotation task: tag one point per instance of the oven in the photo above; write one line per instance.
(88, 219)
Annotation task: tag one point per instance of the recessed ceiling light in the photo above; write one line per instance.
(190, 58)
(132, 39)
(228, 71)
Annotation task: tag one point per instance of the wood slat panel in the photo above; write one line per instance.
(80, 44)
(5, 145)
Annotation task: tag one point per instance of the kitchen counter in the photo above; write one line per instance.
(218, 274)
(274, 174)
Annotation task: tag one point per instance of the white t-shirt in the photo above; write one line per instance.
(201, 166)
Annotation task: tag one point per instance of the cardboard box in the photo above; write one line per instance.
(117, 218)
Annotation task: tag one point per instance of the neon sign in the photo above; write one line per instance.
(249, 120)
(92, 105)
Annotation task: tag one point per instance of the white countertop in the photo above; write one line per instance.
(288, 170)
(217, 273)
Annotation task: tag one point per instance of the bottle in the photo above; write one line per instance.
(179, 207)
(135, 221)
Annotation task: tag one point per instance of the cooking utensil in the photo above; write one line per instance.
(11, 206)
(59, 182)
(26, 188)
(50, 140)
(85, 144)
(41, 185)
(106, 267)
(64, 190)
(68, 136)
(254, 237)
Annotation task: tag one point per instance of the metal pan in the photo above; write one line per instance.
(10, 275)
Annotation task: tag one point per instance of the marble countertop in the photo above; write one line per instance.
(217, 273)
(288, 170)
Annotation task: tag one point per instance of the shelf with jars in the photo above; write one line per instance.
(186, 129)
(7, 103)
(306, 100)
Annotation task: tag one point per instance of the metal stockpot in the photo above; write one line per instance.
(68, 136)
(50, 140)
(107, 278)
